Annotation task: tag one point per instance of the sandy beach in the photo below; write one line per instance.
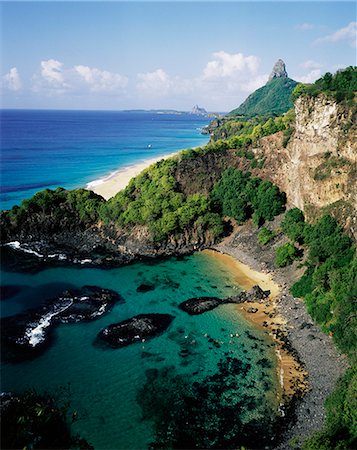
(304, 352)
(108, 186)
(290, 373)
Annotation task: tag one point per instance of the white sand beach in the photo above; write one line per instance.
(109, 186)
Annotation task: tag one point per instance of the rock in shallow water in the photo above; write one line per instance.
(145, 287)
(136, 329)
(26, 335)
(199, 305)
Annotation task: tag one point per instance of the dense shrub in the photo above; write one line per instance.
(241, 196)
(341, 86)
(293, 225)
(286, 254)
(265, 235)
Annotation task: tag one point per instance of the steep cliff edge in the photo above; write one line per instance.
(318, 167)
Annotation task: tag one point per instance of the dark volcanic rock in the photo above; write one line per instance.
(88, 303)
(257, 294)
(26, 335)
(200, 305)
(145, 288)
(136, 329)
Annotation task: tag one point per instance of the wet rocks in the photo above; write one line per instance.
(26, 335)
(136, 329)
(199, 305)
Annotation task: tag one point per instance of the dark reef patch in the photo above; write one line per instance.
(145, 287)
(136, 329)
(214, 412)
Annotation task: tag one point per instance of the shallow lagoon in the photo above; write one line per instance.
(105, 382)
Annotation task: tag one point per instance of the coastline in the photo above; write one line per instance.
(290, 373)
(110, 185)
(309, 363)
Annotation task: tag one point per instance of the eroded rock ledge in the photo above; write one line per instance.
(26, 335)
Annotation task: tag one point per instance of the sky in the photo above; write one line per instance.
(154, 55)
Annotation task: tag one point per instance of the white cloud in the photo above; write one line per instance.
(305, 26)
(55, 78)
(156, 82)
(12, 80)
(228, 65)
(312, 65)
(101, 80)
(160, 84)
(52, 71)
(348, 33)
(312, 76)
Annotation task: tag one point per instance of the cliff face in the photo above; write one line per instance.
(318, 168)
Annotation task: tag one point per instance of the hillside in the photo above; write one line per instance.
(272, 99)
(306, 160)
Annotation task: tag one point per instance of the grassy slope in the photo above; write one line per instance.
(273, 98)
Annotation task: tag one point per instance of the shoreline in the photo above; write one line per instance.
(318, 361)
(116, 181)
(290, 373)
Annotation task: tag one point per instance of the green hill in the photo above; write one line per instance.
(272, 99)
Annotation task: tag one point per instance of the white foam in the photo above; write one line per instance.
(36, 335)
(100, 311)
(86, 261)
(17, 246)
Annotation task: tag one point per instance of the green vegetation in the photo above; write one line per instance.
(329, 288)
(241, 133)
(37, 421)
(293, 225)
(329, 283)
(265, 235)
(286, 254)
(341, 86)
(241, 196)
(53, 209)
(273, 99)
(153, 198)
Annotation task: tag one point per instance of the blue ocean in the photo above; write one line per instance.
(120, 394)
(46, 149)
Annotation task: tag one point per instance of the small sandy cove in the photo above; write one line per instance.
(112, 184)
(290, 374)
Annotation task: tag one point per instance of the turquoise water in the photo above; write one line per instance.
(105, 382)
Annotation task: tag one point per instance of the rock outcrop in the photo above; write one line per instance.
(198, 111)
(318, 167)
(199, 305)
(136, 329)
(26, 335)
(279, 70)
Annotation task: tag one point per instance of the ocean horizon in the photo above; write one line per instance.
(74, 148)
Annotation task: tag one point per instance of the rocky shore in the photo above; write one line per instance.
(314, 350)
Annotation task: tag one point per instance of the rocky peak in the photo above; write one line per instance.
(198, 110)
(279, 70)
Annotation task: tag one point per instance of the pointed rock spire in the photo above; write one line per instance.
(279, 70)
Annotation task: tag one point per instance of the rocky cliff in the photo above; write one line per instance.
(318, 167)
